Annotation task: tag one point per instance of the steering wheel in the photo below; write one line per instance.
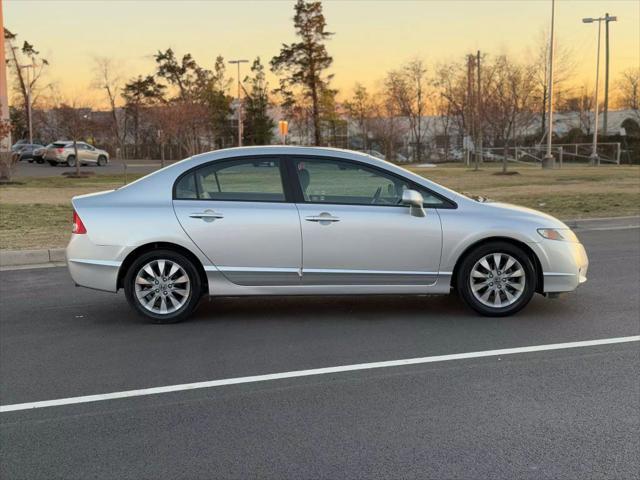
(376, 196)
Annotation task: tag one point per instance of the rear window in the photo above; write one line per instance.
(249, 180)
(60, 145)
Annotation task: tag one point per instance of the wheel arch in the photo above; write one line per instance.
(149, 247)
(517, 243)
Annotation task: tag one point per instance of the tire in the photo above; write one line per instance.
(102, 161)
(52, 163)
(135, 287)
(479, 286)
(40, 161)
(71, 161)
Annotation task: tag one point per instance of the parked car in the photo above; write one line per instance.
(63, 153)
(18, 145)
(311, 221)
(25, 151)
(38, 154)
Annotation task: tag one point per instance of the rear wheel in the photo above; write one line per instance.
(71, 161)
(164, 286)
(102, 161)
(52, 163)
(497, 279)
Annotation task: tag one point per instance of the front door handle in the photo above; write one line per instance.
(324, 218)
(207, 215)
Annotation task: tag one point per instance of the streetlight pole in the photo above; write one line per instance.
(29, 113)
(607, 19)
(238, 62)
(548, 161)
(593, 158)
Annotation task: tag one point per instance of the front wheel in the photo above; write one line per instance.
(164, 286)
(102, 161)
(497, 279)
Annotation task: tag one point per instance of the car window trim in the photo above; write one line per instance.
(448, 204)
(284, 179)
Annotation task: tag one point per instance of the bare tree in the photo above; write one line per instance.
(563, 71)
(629, 91)
(360, 108)
(8, 160)
(26, 58)
(386, 126)
(75, 126)
(508, 106)
(408, 89)
(107, 78)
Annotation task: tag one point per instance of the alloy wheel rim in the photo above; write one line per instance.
(497, 280)
(162, 286)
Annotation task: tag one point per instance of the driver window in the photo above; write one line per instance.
(335, 181)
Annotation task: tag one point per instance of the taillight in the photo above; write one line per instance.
(78, 226)
(60, 150)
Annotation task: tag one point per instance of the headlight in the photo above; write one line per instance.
(558, 234)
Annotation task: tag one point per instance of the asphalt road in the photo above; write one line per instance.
(568, 413)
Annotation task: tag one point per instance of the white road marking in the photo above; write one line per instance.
(307, 373)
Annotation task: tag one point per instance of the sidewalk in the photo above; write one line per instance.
(55, 257)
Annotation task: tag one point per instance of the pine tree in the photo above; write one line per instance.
(258, 125)
(304, 63)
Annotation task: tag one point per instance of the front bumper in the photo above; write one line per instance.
(94, 266)
(564, 265)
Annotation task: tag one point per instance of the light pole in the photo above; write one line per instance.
(593, 158)
(29, 113)
(238, 62)
(607, 19)
(548, 160)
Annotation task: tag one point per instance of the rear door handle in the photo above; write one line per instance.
(322, 218)
(207, 215)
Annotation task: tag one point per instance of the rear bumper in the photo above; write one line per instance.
(94, 266)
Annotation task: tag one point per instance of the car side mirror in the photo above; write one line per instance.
(415, 201)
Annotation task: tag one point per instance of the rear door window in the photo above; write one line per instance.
(251, 180)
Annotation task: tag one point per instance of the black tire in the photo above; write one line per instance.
(71, 161)
(52, 163)
(40, 161)
(195, 291)
(102, 161)
(463, 278)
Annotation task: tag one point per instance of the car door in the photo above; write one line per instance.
(91, 154)
(355, 232)
(238, 214)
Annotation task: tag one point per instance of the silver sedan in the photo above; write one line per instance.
(312, 221)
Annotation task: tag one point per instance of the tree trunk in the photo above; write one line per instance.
(75, 152)
(504, 157)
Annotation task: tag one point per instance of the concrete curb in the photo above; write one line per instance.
(14, 258)
(57, 256)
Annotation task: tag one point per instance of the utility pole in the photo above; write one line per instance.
(29, 112)
(607, 19)
(238, 62)
(470, 110)
(479, 114)
(548, 161)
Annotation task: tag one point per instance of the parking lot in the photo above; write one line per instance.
(555, 413)
(114, 167)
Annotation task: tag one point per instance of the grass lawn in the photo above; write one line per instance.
(37, 213)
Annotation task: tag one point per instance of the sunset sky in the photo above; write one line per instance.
(371, 37)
